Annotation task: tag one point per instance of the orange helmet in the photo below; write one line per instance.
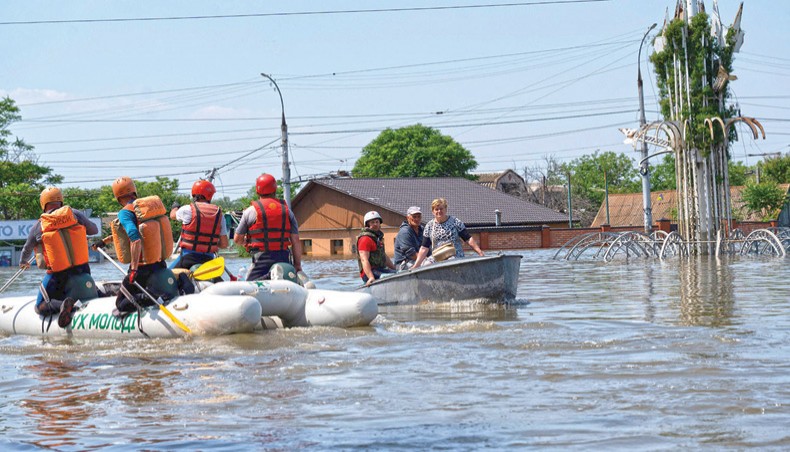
(203, 188)
(50, 194)
(265, 184)
(123, 186)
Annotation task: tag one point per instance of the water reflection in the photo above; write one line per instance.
(706, 291)
(58, 407)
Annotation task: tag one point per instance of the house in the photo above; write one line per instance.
(330, 211)
(626, 209)
(507, 182)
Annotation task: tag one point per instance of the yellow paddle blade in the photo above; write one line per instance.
(211, 269)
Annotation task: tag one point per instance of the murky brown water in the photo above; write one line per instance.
(648, 355)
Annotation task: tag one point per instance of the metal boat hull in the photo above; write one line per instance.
(488, 279)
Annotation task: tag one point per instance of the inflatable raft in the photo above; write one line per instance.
(204, 314)
(295, 306)
(219, 309)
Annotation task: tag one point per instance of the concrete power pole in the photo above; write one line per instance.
(645, 168)
(284, 131)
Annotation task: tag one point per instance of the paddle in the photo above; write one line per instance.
(158, 302)
(210, 269)
(16, 275)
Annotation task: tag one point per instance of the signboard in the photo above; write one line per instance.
(19, 229)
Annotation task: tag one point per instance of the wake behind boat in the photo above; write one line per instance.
(487, 279)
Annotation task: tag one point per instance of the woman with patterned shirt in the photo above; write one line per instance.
(444, 229)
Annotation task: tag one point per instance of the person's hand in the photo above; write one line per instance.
(481, 253)
(370, 281)
(24, 265)
(131, 275)
(98, 243)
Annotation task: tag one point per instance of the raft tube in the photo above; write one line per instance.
(297, 306)
(204, 314)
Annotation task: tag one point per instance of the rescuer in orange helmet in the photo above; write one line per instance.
(204, 230)
(267, 229)
(62, 234)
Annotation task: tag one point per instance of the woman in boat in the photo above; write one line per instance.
(444, 229)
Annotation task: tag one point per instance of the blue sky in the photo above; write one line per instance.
(513, 84)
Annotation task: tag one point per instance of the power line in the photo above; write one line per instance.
(302, 13)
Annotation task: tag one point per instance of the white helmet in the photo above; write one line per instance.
(372, 215)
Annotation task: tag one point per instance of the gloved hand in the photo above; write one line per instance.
(98, 243)
(176, 205)
(131, 275)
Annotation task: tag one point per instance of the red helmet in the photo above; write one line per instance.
(204, 188)
(265, 184)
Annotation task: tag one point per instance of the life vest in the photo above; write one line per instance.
(272, 228)
(378, 258)
(64, 240)
(155, 232)
(202, 233)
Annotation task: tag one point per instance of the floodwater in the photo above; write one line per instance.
(638, 355)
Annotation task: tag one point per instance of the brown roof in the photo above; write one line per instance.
(470, 202)
(490, 179)
(626, 209)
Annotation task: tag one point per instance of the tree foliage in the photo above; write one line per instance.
(662, 176)
(776, 170)
(414, 151)
(700, 52)
(587, 175)
(764, 199)
(21, 177)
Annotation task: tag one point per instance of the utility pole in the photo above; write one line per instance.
(570, 203)
(606, 193)
(284, 131)
(645, 169)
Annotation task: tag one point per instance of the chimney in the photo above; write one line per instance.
(498, 217)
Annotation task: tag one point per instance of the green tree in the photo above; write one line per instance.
(587, 175)
(21, 177)
(662, 176)
(776, 170)
(414, 151)
(765, 199)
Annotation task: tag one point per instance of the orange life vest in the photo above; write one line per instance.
(64, 240)
(203, 232)
(155, 232)
(272, 228)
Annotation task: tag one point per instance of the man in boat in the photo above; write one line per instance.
(409, 239)
(371, 257)
(267, 229)
(444, 229)
(204, 230)
(143, 238)
(62, 234)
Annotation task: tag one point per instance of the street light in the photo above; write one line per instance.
(645, 169)
(284, 130)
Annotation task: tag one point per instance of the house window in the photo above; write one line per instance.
(307, 246)
(336, 247)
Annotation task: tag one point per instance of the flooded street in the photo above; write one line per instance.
(644, 354)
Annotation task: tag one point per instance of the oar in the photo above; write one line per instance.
(210, 269)
(16, 275)
(158, 302)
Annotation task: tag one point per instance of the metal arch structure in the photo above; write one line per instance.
(763, 242)
(637, 243)
(578, 245)
(673, 245)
